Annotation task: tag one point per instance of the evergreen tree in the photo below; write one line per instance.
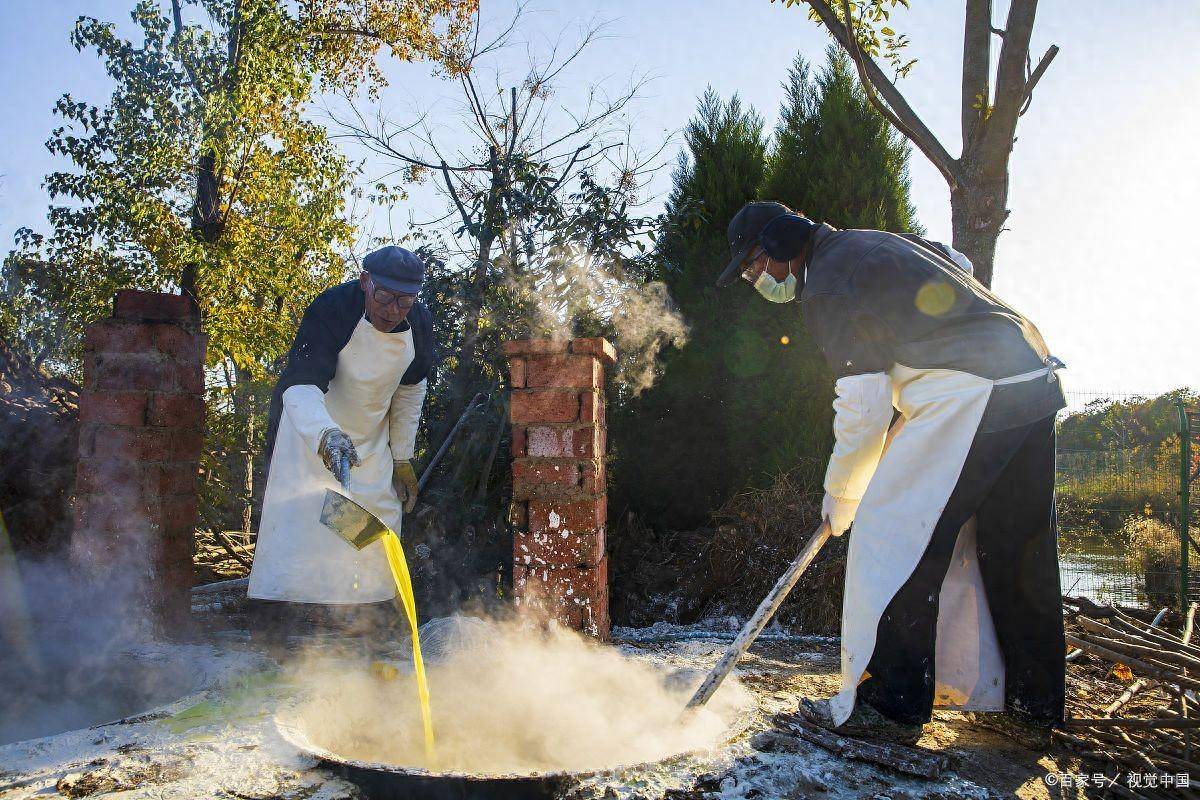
(835, 158)
(671, 443)
(749, 395)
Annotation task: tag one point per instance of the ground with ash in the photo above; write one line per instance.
(222, 742)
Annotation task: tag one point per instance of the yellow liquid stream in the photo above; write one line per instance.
(399, 566)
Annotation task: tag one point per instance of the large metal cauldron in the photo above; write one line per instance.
(391, 782)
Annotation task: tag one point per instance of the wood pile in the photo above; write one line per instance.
(1133, 687)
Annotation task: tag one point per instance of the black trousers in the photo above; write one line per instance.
(1007, 482)
(272, 622)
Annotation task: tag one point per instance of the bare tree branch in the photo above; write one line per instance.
(1036, 76)
(894, 107)
(462, 211)
(1011, 86)
(177, 19)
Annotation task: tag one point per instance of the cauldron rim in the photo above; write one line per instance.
(294, 734)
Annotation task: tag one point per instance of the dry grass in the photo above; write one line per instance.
(727, 569)
(1152, 543)
(758, 534)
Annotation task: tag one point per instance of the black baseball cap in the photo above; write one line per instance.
(396, 269)
(744, 231)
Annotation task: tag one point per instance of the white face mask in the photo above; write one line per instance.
(776, 291)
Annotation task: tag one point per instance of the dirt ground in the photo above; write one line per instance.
(779, 673)
(221, 742)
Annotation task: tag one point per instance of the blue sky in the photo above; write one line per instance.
(1105, 174)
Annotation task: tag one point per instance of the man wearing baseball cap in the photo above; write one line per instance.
(344, 415)
(936, 611)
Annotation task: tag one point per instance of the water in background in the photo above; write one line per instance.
(1098, 566)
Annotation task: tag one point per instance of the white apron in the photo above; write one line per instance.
(297, 558)
(942, 410)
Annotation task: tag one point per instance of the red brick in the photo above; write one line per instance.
(575, 597)
(154, 306)
(593, 478)
(89, 370)
(591, 408)
(98, 552)
(546, 442)
(85, 442)
(543, 478)
(113, 408)
(185, 446)
(596, 346)
(103, 475)
(174, 570)
(543, 441)
(178, 342)
(99, 515)
(133, 444)
(176, 410)
(518, 441)
(589, 442)
(543, 405)
(531, 347)
(516, 373)
(130, 372)
(584, 372)
(180, 512)
(573, 516)
(172, 576)
(116, 336)
(185, 377)
(171, 478)
(558, 550)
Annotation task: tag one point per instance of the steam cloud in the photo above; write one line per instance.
(574, 288)
(512, 700)
(70, 625)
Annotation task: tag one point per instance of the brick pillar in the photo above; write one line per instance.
(558, 432)
(141, 415)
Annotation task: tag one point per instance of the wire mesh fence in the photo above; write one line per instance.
(1118, 483)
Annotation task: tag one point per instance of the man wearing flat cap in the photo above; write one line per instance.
(344, 416)
(952, 591)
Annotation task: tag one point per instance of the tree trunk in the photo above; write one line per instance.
(978, 179)
(248, 465)
(243, 406)
(978, 212)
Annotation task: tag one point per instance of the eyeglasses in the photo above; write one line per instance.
(385, 298)
(750, 270)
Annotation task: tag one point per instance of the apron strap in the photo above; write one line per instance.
(1053, 365)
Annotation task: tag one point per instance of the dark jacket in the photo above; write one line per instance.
(873, 299)
(326, 328)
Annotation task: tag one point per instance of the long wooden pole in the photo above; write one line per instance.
(756, 623)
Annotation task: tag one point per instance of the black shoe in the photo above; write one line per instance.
(864, 722)
(1028, 733)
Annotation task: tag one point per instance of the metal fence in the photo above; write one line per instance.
(1126, 461)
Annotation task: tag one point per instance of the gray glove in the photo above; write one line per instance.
(338, 454)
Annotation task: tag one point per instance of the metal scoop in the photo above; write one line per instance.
(351, 521)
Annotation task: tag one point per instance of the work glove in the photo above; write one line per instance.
(404, 479)
(337, 453)
(838, 512)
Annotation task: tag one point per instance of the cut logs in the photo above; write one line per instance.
(1130, 695)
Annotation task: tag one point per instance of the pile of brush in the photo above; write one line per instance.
(1133, 688)
(727, 569)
